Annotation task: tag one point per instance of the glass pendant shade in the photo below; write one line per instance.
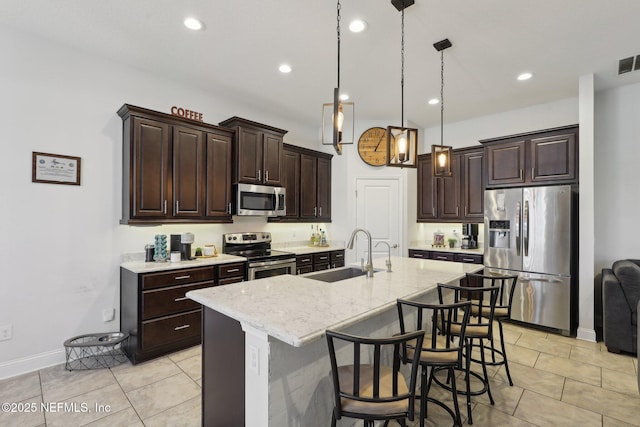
(441, 160)
(402, 147)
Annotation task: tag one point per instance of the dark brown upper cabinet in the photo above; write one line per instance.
(306, 175)
(174, 170)
(257, 152)
(458, 198)
(536, 158)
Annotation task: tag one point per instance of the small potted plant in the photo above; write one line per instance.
(452, 242)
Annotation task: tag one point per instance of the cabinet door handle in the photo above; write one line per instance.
(315, 211)
(298, 272)
(433, 211)
(233, 270)
(521, 174)
(180, 299)
(532, 174)
(259, 174)
(182, 277)
(468, 259)
(418, 256)
(320, 211)
(266, 176)
(177, 207)
(229, 208)
(177, 328)
(457, 210)
(165, 207)
(465, 211)
(441, 257)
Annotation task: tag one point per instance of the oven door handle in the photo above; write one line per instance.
(271, 263)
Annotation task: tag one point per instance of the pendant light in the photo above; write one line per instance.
(402, 142)
(441, 154)
(338, 116)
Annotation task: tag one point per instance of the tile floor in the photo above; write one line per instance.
(558, 381)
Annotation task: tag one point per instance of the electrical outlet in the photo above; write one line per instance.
(6, 332)
(108, 314)
(254, 359)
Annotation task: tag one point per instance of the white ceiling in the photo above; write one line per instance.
(246, 40)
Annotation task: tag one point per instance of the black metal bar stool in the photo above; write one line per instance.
(479, 328)
(372, 391)
(442, 347)
(507, 285)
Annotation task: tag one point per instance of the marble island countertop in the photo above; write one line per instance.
(297, 309)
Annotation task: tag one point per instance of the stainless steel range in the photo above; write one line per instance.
(256, 247)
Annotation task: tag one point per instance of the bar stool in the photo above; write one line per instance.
(440, 349)
(507, 285)
(372, 391)
(478, 328)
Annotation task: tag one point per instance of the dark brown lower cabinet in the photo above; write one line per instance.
(319, 261)
(446, 256)
(158, 316)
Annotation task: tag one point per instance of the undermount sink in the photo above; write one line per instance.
(331, 276)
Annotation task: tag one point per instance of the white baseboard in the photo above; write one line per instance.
(31, 363)
(586, 334)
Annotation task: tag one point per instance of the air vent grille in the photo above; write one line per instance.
(626, 65)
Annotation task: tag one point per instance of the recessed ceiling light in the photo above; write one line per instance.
(285, 68)
(525, 76)
(434, 101)
(357, 26)
(344, 97)
(193, 24)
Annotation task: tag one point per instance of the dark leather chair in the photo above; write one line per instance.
(620, 296)
(372, 390)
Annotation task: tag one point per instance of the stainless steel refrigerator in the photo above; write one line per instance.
(528, 231)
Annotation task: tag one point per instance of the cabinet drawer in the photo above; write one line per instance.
(165, 301)
(442, 256)
(230, 280)
(337, 256)
(177, 277)
(320, 266)
(232, 270)
(321, 258)
(304, 269)
(473, 259)
(338, 264)
(419, 254)
(304, 260)
(162, 331)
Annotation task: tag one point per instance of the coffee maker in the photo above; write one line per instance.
(469, 236)
(182, 243)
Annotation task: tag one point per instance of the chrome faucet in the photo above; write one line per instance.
(369, 267)
(389, 257)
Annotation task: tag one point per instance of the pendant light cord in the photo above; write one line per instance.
(441, 97)
(338, 33)
(402, 69)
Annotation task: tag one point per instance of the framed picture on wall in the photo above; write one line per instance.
(55, 169)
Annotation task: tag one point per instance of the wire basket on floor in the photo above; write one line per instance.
(95, 351)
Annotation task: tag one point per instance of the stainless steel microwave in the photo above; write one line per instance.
(259, 200)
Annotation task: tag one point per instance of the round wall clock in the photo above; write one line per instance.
(372, 146)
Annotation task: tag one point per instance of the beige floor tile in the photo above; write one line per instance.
(542, 382)
(162, 395)
(612, 422)
(58, 384)
(132, 377)
(574, 341)
(489, 416)
(187, 414)
(544, 411)
(26, 413)
(22, 387)
(525, 330)
(511, 336)
(544, 345)
(522, 355)
(126, 417)
(506, 397)
(186, 353)
(610, 403)
(617, 362)
(570, 368)
(192, 367)
(88, 407)
(620, 381)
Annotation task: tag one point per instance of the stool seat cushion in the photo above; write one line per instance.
(345, 376)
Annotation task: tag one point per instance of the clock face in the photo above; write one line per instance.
(372, 146)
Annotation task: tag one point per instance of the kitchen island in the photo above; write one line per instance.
(264, 362)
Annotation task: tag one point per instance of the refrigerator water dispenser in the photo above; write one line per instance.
(499, 233)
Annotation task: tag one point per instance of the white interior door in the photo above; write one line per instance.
(379, 210)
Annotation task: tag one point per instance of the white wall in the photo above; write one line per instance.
(60, 261)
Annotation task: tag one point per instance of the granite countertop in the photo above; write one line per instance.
(302, 250)
(421, 246)
(297, 310)
(150, 267)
